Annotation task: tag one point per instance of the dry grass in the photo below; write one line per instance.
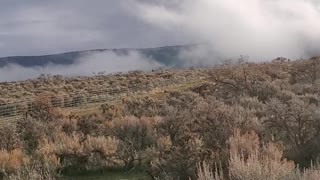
(10, 161)
(312, 173)
(250, 161)
(204, 172)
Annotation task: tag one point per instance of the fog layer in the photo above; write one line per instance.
(261, 29)
(105, 62)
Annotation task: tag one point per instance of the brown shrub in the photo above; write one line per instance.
(245, 78)
(9, 137)
(101, 152)
(251, 160)
(135, 136)
(305, 71)
(205, 172)
(93, 125)
(31, 131)
(77, 152)
(312, 173)
(296, 124)
(34, 171)
(147, 107)
(43, 121)
(175, 162)
(10, 161)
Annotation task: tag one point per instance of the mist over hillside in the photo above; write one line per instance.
(168, 55)
(262, 30)
(86, 63)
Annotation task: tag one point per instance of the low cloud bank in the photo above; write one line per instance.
(261, 29)
(107, 62)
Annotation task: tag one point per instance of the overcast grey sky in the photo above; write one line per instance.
(258, 28)
(42, 27)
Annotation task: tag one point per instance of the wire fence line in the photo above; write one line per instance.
(10, 112)
(109, 90)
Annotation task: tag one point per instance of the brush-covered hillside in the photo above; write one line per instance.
(236, 121)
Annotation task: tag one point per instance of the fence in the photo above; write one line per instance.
(11, 112)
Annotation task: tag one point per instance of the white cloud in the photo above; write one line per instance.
(262, 29)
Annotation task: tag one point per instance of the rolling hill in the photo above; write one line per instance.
(168, 55)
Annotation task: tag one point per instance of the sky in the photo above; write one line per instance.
(265, 27)
(36, 27)
(260, 29)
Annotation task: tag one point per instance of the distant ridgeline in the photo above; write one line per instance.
(168, 55)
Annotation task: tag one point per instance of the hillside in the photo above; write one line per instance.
(165, 55)
(237, 121)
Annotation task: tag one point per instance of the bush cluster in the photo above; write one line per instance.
(248, 121)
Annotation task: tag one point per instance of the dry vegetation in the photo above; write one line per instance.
(248, 122)
(17, 98)
(99, 85)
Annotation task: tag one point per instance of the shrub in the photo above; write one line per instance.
(135, 136)
(296, 124)
(312, 173)
(32, 129)
(32, 172)
(93, 125)
(101, 152)
(10, 161)
(75, 152)
(244, 79)
(175, 161)
(204, 172)
(9, 137)
(44, 122)
(147, 107)
(305, 71)
(249, 161)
